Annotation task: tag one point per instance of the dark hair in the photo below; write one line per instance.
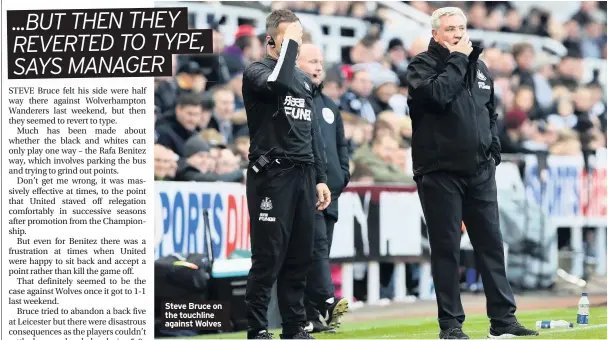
(262, 38)
(522, 47)
(189, 99)
(369, 40)
(278, 17)
(244, 41)
(361, 170)
(207, 103)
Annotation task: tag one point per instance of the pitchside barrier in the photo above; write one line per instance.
(384, 223)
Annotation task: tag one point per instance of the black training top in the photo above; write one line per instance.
(280, 110)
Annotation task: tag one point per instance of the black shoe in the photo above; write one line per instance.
(453, 333)
(334, 313)
(510, 331)
(300, 335)
(315, 326)
(263, 334)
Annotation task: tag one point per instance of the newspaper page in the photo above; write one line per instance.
(77, 162)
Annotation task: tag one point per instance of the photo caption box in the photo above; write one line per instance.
(195, 315)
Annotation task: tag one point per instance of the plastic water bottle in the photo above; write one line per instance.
(550, 324)
(582, 316)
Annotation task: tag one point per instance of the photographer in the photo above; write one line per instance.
(284, 170)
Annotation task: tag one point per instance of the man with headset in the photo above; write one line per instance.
(285, 178)
(323, 310)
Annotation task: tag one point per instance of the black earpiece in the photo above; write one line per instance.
(271, 42)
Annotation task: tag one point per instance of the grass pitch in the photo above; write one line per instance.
(476, 326)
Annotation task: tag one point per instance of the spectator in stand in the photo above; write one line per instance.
(418, 46)
(215, 140)
(228, 164)
(175, 128)
(517, 129)
(564, 118)
(599, 108)
(391, 119)
(236, 86)
(333, 86)
(245, 50)
(165, 163)
(356, 99)
(478, 16)
(362, 175)
(567, 144)
(385, 88)
(587, 12)
(223, 113)
(379, 159)
(368, 50)
(199, 165)
(241, 149)
(207, 107)
(523, 53)
(594, 40)
(189, 79)
(583, 103)
(383, 128)
(353, 131)
(397, 55)
(405, 130)
(524, 101)
(569, 71)
(512, 22)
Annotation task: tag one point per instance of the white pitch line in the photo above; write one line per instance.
(542, 332)
(576, 328)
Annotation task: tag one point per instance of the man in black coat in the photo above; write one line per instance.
(176, 126)
(323, 309)
(455, 151)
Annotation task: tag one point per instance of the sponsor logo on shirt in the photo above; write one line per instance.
(296, 108)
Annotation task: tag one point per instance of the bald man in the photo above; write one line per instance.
(323, 310)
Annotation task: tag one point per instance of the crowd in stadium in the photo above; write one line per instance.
(201, 126)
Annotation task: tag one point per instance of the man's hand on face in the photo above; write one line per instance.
(294, 31)
(463, 46)
(323, 196)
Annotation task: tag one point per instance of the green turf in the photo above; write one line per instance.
(476, 326)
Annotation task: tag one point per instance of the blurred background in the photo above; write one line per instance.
(548, 61)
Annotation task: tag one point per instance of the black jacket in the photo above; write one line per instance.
(188, 173)
(452, 107)
(171, 133)
(280, 110)
(334, 146)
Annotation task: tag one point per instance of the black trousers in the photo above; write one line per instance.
(319, 285)
(448, 200)
(281, 203)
